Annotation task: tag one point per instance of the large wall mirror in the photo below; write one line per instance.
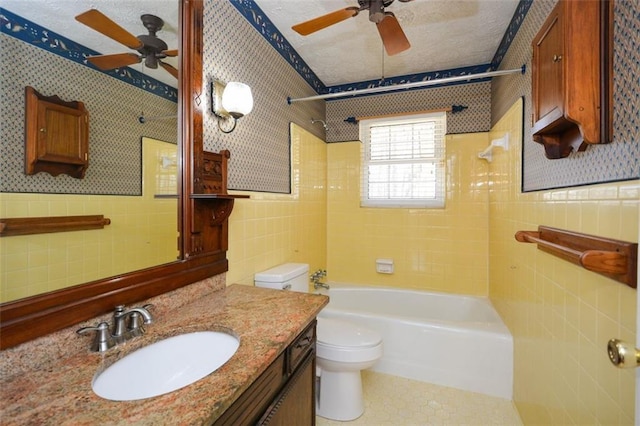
(47, 49)
(34, 316)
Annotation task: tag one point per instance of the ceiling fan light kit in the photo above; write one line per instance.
(230, 102)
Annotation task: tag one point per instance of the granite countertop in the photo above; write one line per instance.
(59, 390)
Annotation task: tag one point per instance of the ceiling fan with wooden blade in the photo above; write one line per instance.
(150, 47)
(391, 33)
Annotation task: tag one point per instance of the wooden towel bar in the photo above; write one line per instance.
(612, 258)
(46, 225)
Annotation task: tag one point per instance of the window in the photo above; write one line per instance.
(403, 161)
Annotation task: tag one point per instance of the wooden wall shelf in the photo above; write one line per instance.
(612, 258)
(47, 225)
(209, 205)
(217, 196)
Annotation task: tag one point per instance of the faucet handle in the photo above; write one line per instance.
(317, 275)
(103, 339)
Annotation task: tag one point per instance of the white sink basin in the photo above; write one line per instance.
(165, 366)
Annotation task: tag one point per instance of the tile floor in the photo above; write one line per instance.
(396, 401)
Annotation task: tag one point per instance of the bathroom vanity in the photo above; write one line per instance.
(269, 380)
(284, 393)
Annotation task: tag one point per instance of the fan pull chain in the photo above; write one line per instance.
(382, 79)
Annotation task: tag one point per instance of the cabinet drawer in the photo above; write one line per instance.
(304, 343)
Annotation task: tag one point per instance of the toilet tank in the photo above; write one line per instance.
(288, 276)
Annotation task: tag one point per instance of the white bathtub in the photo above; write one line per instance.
(449, 340)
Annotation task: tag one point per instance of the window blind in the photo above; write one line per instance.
(403, 161)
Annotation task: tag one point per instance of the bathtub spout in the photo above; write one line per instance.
(318, 284)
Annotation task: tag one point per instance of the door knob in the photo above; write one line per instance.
(622, 354)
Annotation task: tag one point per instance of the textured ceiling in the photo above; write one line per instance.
(58, 16)
(444, 34)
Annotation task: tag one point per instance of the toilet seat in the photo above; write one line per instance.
(346, 342)
(341, 334)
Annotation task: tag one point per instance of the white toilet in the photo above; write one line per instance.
(342, 350)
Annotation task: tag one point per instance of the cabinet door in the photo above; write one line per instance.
(255, 400)
(548, 90)
(296, 404)
(62, 134)
(56, 135)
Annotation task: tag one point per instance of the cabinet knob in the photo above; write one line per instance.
(557, 58)
(43, 130)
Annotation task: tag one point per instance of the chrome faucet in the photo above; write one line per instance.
(122, 331)
(318, 284)
(315, 278)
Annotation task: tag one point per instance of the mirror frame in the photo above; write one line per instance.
(36, 316)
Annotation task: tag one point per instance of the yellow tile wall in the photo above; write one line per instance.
(561, 316)
(142, 233)
(433, 249)
(269, 229)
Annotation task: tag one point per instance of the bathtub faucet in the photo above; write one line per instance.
(318, 284)
(315, 278)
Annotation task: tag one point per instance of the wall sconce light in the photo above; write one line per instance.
(231, 101)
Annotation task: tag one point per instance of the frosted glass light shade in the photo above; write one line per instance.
(237, 99)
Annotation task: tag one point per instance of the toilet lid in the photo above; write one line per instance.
(333, 332)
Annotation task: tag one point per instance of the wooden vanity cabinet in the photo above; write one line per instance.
(571, 77)
(295, 404)
(284, 394)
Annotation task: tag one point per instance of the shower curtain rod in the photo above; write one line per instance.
(380, 89)
(142, 119)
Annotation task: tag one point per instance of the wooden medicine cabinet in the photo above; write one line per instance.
(571, 77)
(56, 135)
